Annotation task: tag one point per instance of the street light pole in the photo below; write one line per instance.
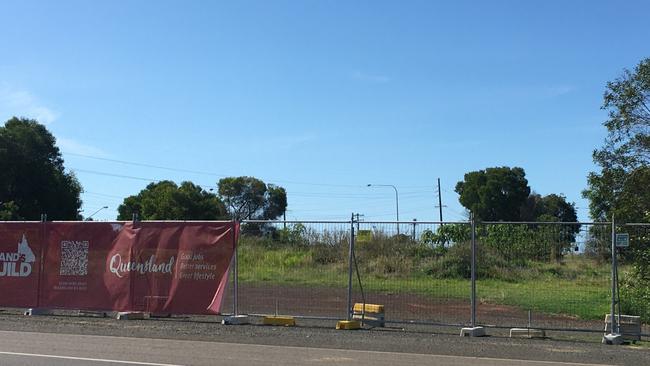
(94, 213)
(396, 199)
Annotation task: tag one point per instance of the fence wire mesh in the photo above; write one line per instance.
(408, 273)
(635, 298)
(543, 275)
(297, 268)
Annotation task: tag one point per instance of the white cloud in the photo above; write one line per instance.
(21, 103)
(75, 147)
(373, 78)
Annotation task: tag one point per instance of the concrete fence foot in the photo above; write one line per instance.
(472, 332)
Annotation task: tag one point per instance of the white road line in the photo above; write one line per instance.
(86, 359)
(298, 348)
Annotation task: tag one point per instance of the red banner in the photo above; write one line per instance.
(149, 266)
(20, 263)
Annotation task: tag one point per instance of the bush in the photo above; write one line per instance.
(328, 254)
(635, 295)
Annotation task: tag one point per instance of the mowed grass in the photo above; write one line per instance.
(579, 288)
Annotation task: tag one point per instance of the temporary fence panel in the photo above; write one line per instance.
(410, 273)
(21, 258)
(634, 265)
(293, 268)
(542, 275)
(167, 267)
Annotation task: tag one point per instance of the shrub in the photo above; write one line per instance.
(635, 295)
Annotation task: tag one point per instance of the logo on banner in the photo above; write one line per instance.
(119, 268)
(19, 263)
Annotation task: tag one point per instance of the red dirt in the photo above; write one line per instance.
(331, 302)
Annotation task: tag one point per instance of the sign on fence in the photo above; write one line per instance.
(149, 266)
(622, 240)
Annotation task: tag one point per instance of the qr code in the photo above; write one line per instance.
(74, 258)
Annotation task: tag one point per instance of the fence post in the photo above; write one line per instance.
(235, 266)
(614, 279)
(41, 265)
(350, 268)
(473, 330)
(235, 318)
(473, 295)
(614, 336)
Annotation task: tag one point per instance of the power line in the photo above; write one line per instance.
(206, 173)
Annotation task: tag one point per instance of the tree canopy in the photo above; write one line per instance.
(494, 194)
(620, 188)
(248, 198)
(503, 194)
(33, 179)
(165, 200)
(552, 207)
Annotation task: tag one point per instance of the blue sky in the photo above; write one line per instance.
(320, 97)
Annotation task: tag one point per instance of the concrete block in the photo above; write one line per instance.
(613, 339)
(348, 325)
(278, 320)
(371, 314)
(92, 314)
(38, 311)
(527, 333)
(472, 332)
(131, 315)
(235, 320)
(630, 327)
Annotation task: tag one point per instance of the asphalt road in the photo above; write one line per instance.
(200, 340)
(31, 348)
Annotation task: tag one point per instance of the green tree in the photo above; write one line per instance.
(494, 194)
(166, 201)
(620, 188)
(248, 198)
(33, 179)
(552, 207)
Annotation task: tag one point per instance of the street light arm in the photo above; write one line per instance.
(396, 199)
(94, 213)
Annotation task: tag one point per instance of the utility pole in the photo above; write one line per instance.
(357, 218)
(413, 233)
(439, 200)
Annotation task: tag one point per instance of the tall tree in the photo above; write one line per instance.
(494, 194)
(166, 201)
(552, 207)
(33, 179)
(620, 188)
(250, 198)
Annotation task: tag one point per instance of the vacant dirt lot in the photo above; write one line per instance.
(401, 307)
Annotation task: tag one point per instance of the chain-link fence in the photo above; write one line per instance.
(543, 275)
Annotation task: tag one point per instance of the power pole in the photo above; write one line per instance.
(439, 200)
(357, 217)
(413, 233)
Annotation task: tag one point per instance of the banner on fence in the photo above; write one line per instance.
(149, 266)
(20, 259)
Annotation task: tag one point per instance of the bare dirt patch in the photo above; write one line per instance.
(400, 307)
